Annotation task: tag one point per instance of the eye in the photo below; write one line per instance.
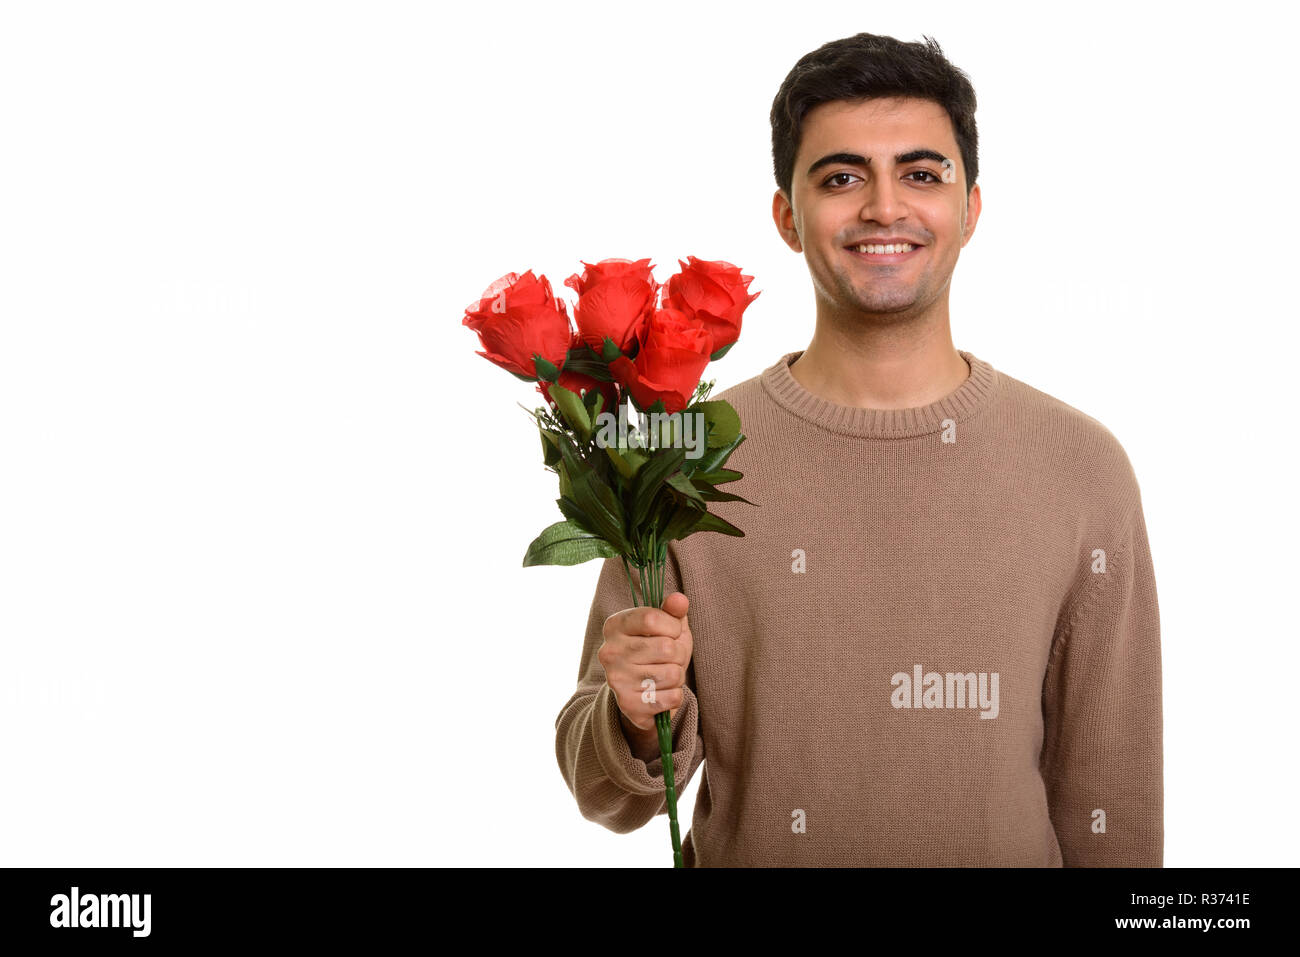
(827, 181)
(926, 172)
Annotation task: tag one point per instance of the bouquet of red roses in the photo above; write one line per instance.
(627, 488)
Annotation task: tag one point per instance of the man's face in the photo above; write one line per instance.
(846, 200)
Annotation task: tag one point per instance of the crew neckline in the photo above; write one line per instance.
(963, 402)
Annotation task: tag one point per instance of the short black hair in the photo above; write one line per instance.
(866, 66)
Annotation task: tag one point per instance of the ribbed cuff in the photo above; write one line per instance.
(625, 769)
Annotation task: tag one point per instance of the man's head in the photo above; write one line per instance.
(860, 129)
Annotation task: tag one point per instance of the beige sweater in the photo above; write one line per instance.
(938, 644)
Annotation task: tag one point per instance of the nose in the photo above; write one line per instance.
(883, 201)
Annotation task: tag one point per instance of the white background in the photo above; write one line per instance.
(263, 510)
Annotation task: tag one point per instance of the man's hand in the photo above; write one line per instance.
(643, 643)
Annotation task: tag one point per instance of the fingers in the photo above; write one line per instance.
(655, 650)
(641, 713)
(647, 681)
(650, 621)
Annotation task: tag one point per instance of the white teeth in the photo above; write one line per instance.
(900, 248)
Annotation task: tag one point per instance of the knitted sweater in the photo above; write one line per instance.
(937, 644)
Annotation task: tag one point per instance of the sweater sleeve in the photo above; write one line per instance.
(612, 787)
(1102, 759)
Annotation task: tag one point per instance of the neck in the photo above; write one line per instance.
(881, 367)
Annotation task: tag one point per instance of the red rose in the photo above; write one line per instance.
(715, 293)
(516, 317)
(616, 298)
(575, 382)
(670, 362)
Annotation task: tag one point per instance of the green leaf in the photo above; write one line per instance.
(581, 351)
(650, 479)
(713, 459)
(550, 447)
(713, 495)
(596, 499)
(637, 457)
(583, 520)
(683, 521)
(565, 544)
(610, 350)
(621, 462)
(628, 461)
(521, 376)
(574, 412)
(717, 477)
(712, 523)
(723, 420)
(545, 368)
(576, 515)
(723, 351)
(683, 485)
(594, 401)
(593, 368)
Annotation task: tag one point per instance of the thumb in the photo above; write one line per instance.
(677, 604)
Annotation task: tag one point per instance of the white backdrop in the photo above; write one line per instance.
(263, 509)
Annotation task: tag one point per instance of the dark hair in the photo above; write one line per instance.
(864, 66)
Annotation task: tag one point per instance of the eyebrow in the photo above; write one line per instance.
(855, 159)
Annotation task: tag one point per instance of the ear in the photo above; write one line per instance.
(783, 216)
(973, 206)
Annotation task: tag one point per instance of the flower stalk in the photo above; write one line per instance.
(652, 578)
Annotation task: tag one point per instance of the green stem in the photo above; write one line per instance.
(626, 568)
(663, 725)
(652, 584)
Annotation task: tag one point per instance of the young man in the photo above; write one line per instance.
(938, 642)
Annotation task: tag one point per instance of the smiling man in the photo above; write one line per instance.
(876, 200)
(938, 643)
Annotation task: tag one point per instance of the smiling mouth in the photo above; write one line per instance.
(901, 253)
